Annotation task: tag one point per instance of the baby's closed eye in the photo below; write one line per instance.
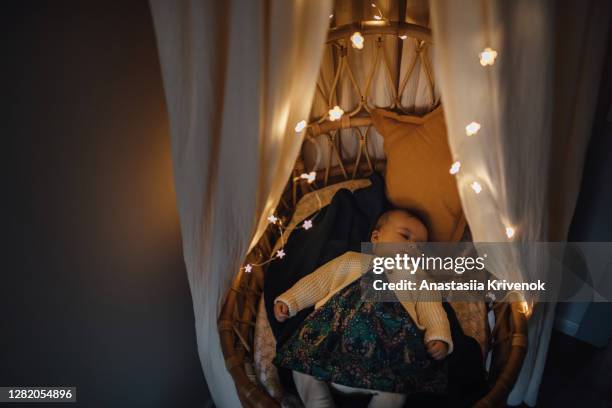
(405, 233)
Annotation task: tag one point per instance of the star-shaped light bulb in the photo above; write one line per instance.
(472, 128)
(280, 253)
(273, 219)
(301, 125)
(307, 224)
(455, 167)
(335, 113)
(476, 187)
(357, 40)
(309, 176)
(487, 56)
(248, 268)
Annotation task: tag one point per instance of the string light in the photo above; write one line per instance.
(301, 125)
(455, 167)
(357, 40)
(487, 56)
(472, 128)
(331, 16)
(274, 220)
(476, 187)
(335, 113)
(403, 37)
(309, 176)
(510, 232)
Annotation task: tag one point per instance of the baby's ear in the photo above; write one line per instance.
(375, 236)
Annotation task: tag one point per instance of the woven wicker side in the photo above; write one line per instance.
(509, 348)
(236, 328)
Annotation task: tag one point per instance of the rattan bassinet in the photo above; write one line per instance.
(236, 321)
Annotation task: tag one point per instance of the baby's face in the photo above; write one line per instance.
(400, 227)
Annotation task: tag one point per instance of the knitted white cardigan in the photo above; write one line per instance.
(319, 286)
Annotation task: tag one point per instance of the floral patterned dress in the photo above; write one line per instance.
(363, 344)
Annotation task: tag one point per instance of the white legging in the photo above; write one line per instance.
(316, 393)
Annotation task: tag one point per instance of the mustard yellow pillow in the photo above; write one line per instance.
(417, 173)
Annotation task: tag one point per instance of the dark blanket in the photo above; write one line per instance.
(340, 227)
(466, 375)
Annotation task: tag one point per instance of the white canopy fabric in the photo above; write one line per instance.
(238, 75)
(528, 154)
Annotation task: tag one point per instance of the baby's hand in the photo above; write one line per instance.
(437, 349)
(281, 311)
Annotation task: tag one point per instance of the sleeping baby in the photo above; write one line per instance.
(387, 349)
